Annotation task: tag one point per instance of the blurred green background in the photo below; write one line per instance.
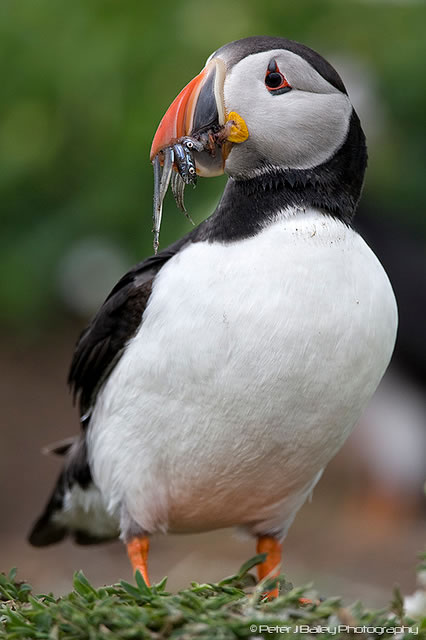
(84, 85)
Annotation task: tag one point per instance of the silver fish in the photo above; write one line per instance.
(181, 155)
(162, 177)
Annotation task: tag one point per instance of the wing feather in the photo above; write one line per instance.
(101, 344)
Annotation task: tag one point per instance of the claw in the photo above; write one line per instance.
(161, 184)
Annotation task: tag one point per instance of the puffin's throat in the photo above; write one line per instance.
(333, 187)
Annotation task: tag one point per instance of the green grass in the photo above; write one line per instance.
(232, 608)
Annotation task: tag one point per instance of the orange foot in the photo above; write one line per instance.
(271, 566)
(137, 550)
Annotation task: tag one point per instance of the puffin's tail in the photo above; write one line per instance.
(76, 507)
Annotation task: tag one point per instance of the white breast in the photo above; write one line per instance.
(253, 363)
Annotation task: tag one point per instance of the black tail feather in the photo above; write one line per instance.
(75, 507)
(45, 530)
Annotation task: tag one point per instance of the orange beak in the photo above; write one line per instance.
(198, 107)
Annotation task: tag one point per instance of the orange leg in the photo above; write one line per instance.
(271, 567)
(137, 550)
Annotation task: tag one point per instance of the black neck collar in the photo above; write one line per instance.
(333, 187)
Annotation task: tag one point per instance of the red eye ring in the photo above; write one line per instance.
(275, 81)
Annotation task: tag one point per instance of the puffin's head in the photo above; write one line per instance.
(293, 102)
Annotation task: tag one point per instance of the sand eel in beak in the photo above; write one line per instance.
(194, 138)
(222, 374)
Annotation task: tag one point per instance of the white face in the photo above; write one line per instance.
(299, 129)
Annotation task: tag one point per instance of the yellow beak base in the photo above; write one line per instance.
(239, 131)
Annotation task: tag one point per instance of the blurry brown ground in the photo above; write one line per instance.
(343, 546)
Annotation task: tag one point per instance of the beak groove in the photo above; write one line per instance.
(198, 106)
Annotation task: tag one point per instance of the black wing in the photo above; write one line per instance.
(101, 344)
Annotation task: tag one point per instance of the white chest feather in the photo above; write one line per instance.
(253, 363)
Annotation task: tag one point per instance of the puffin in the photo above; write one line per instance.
(222, 373)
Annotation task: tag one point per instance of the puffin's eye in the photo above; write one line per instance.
(275, 80)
